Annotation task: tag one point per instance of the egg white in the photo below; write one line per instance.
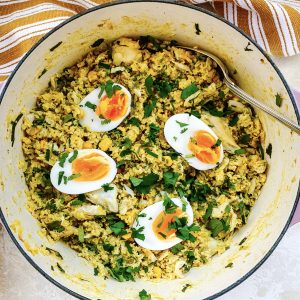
(151, 242)
(179, 140)
(73, 187)
(91, 120)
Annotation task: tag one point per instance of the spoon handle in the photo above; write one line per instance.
(246, 97)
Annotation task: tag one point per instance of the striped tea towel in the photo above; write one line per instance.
(274, 24)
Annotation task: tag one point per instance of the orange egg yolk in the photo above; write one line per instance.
(160, 225)
(113, 108)
(91, 167)
(201, 146)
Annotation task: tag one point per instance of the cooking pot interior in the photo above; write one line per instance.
(253, 71)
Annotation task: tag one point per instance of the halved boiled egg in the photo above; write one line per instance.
(195, 140)
(82, 171)
(154, 221)
(104, 113)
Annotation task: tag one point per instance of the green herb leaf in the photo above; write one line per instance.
(129, 248)
(244, 139)
(170, 179)
(195, 113)
(67, 118)
(261, 151)
(125, 152)
(233, 121)
(134, 121)
(144, 296)
(151, 153)
(177, 248)
(120, 163)
(118, 228)
(90, 105)
(240, 151)
(222, 95)
(170, 206)
(217, 144)
(269, 150)
(80, 233)
(147, 182)
(163, 87)
(278, 100)
(13, 129)
(188, 91)
(182, 124)
(55, 226)
(106, 187)
(105, 121)
(154, 130)
(73, 176)
(96, 271)
(108, 247)
(137, 233)
(74, 156)
(97, 43)
(103, 65)
(60, 177)
(208, 212)
(135, 181)
(149, 85)
(216, 226)
(148, 108)
(76, 202)
(47, 155)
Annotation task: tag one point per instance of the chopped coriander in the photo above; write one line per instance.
(233, 121)
(120, 163)
(222, 94)
(80, 233)
(151, 153)
(129, 248)
(106, 187)
(60, 177)
(90, 105)
(134, 121)
(261, 151)
(177, 248)
(73, 176)
(47, 155)
(244, 139)
(148, 108)
(149, 85)
(195, 113)
(74, 156)
(239, 151)
(123, 273)
(216, 226)
(181, 124)
(137, 233)
(170, 206)
(189, 156)
(188, 91)
(163, 87)
(103, 65)
(125, 152)
(97, 43)
(105, 121)
(170, 179)
(183, 130)
(242, 212)
(13, 128)
(212, 109)
(144, 296)
(96, 271)
(147, 182)
(175, 138)
(183, 231)
(108, 247)
(67, 118)
(172, 154)
(278, 100)
(102, 89)
(55, 226)
(208, 212)
(154, 130)
(76, 202)
(269, 150)
(162, 235)
(135, 181)
(62, 159)
(118, 228)
(217, 144)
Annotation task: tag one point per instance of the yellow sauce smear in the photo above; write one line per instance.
(91, 167)
(161, 223)
(201, 146)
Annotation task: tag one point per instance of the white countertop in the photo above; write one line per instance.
(277, 279)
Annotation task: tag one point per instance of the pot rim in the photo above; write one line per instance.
(190, 6)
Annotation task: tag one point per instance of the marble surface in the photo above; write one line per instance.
(277, 279)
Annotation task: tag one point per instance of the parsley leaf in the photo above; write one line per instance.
(108, 247)
(151, 153)
(154, 130)
(177, 248)
(47, 154)
(278, 100)
(208, 212)
(170, 206)
(217, 144)
(233, 121)
(106, 187)
(188, 91)
(147, 182)
(216, 226)
(74, 156)
(118, 228)
(55, 226)
(149, 85)
(135, 181)
(148, 108)
(137, 233)
(181, 124)
(134, 121)
(239, 151)
(195, 113)
(144, 296)
(170, 179)
(90, 105)
(244, 139)
(129, 248)
(103, 65)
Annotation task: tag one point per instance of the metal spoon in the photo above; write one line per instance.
(244, 96)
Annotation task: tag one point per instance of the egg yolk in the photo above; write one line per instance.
(160, 225)
(201, 146)
(113, 108)
(91, 167)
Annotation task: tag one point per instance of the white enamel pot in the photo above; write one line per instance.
(254, 71)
